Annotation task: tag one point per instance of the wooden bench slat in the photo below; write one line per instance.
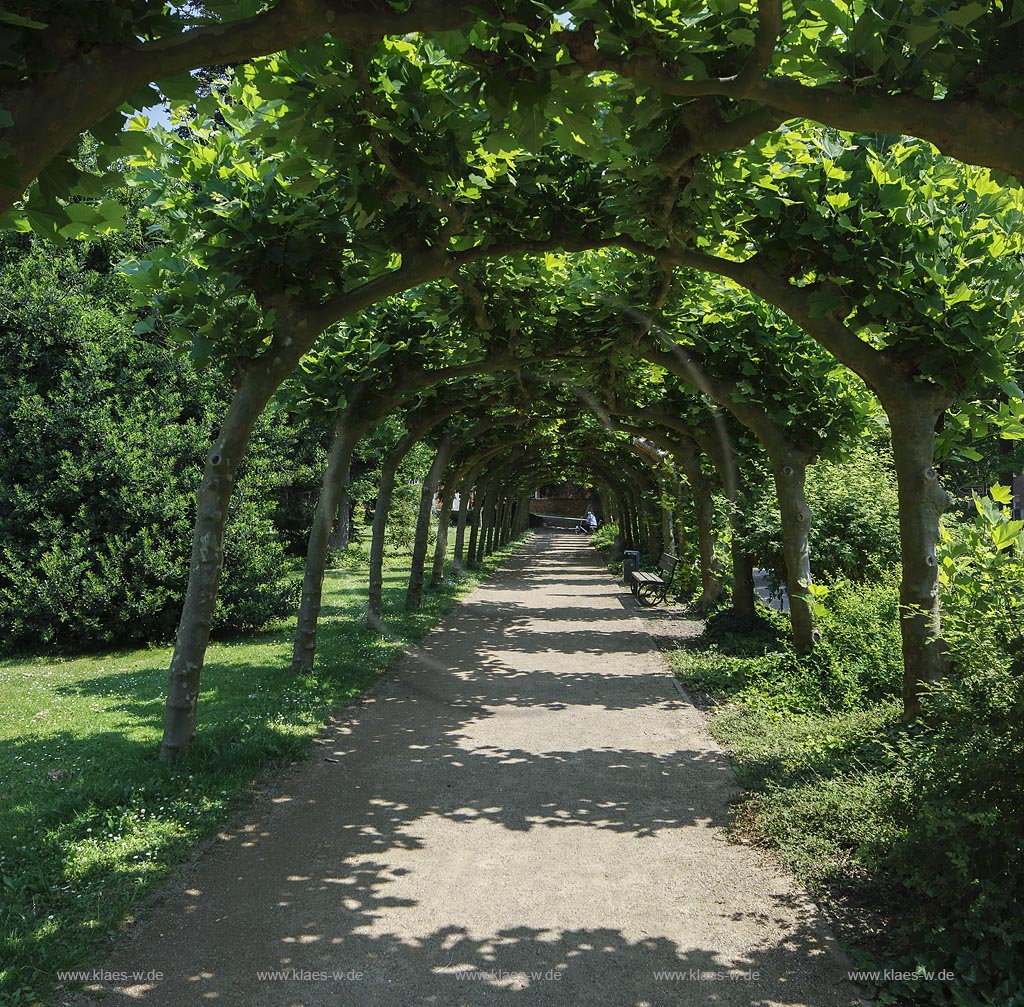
(646, 578)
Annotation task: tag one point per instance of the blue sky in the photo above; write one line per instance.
(158, 114)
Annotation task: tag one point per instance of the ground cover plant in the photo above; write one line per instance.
(90, 822)
(909, 833)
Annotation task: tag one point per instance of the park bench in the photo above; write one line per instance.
(650, 588)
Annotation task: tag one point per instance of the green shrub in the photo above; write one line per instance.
(104, 438)
(854, 532)
(981, 573)
(960, 805)
(923, 823)
(959, 792)
(858, 659)
(747, 635)
(860, 640)
(605, 536)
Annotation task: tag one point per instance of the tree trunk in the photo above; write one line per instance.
(414, 592)
(744, 597)
(634, 525)
(641, 515)
(922, 501)
(460, 527)
(506, 531)
(499, 523)
(707, 540)
(494, 535)
(667, 532)
(629, 526)
(790, 472)
(488, 519)
(679, 531)
(444, 520)
(707, 535)
(473, 557)
(655, 540)
(506, 519)
(214, 494)
(523, 515)
(386, 489)
(346, 436)
(718, 449)
(340, 535)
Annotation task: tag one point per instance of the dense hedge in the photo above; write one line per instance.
(104, 433)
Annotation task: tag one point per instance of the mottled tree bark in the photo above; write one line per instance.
(414, 592)
(922, 501)
(385, 490)
(789, 469)
(444, 520)
(629, 534)
(214, 494)
(346, 436)
(489, 521)
(523, 514)
(506, 528)
(474, 529)
(701, 492)
(667, 532)
(340, 534)
(715, 445)
(743, 593)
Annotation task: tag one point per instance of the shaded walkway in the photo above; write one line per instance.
(525, 812)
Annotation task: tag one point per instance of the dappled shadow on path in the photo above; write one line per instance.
(508, 807)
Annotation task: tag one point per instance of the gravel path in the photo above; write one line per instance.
(526, 811)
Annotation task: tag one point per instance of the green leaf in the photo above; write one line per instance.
(1004, 536)
(963, 16)
(180, 87)
(824, 301)
(6, 17)
(741, 36)
(1001, 494)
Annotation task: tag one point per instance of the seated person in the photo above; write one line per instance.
(588, 525)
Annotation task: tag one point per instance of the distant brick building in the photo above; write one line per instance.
(564, 500)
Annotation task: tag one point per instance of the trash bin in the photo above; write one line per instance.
(630, 562)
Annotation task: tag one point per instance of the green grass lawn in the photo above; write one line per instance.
(90, 821)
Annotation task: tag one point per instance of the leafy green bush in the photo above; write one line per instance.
(959, 792)
(858, 659)
(105, 435)
(960, 805)
(605, 536)
(854, 532)
(981, 571)
(922, 823)
(748, 636)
